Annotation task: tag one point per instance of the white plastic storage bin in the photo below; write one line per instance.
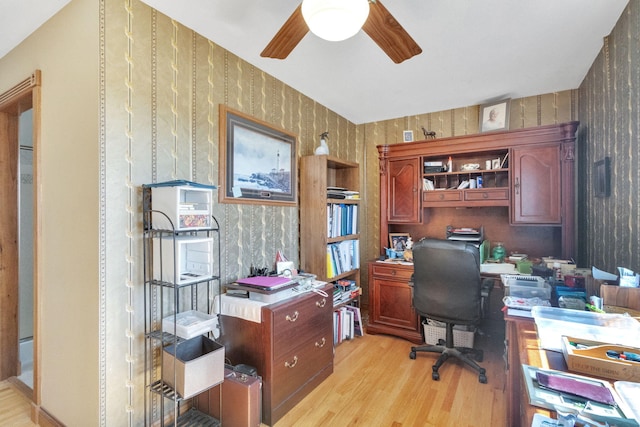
(552, 323)
(187, 207)
(193, 259)
(189, 324)
(461, 336)
(526, 287)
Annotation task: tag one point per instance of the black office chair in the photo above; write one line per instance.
(447, 287)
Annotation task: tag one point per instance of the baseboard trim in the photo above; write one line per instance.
(44, 419)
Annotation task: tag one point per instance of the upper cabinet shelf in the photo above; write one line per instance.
(530, 171)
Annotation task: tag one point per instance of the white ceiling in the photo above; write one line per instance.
(473, 51)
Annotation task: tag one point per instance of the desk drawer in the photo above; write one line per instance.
(294, 369)
(294, 323)
(442, 196)
(487, 194)
(392, 271)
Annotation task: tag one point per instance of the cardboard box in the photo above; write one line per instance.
(199, 365)
(594, 361)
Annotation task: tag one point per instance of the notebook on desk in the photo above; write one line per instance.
(266, 283)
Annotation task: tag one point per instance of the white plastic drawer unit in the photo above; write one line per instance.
(193, 259)
(187, 207)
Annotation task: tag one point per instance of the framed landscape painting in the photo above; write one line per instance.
(257, 161)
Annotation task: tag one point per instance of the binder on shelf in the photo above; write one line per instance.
(343, 257)
(342, 219)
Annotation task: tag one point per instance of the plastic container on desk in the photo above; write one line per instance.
(552, 323)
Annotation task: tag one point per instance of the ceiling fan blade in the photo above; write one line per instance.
(288, 37)
(383, 29)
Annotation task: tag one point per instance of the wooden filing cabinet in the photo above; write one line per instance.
(390, 302)
(292, 349)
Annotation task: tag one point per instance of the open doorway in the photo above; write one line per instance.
(19, 142)
(25, 243)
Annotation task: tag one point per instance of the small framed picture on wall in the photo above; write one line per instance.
(407, 136)
(494, 116)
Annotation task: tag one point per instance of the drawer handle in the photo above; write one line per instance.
(321, 343)
(321, 303)
(292, 364)
(294, 317)
(485, 195)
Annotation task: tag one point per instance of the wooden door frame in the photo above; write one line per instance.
(22, 97)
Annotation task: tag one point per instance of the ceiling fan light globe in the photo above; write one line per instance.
(335, 20)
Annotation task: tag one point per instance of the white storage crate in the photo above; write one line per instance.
(522, 286)
(461, 337)
(187, 207)
(189, 324)
(193, 259)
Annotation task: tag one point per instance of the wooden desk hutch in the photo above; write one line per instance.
(533, 190)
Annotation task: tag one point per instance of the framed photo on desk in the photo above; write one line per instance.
(398, 241)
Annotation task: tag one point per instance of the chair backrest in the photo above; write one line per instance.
(446, 281)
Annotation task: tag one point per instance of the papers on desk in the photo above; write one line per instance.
(589, 409)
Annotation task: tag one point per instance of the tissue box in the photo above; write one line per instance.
(198, 364)
(594, 360)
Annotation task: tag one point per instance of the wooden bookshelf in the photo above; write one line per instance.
(316, 174)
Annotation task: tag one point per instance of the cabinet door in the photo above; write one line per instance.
(404, 195)
(390, 303)
(536, 185)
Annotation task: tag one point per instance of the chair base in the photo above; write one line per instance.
(447, 350)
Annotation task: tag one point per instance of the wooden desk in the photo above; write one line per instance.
(523, 347)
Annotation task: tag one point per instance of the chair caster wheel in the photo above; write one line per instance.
(412, 355)
(436, 376)
(479, 356)
(482, 378)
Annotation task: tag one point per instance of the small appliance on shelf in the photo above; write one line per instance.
(474, 236)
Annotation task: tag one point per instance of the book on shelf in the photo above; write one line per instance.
(433, 163)
(504, 162)
(342, 257)
(342, 295)
(347, 324)
(427, 184)
(342, 193)
(342, 219)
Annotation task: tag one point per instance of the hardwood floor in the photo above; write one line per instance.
(14, 407)
(375, 384)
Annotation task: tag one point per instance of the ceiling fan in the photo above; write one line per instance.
(380, 25)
